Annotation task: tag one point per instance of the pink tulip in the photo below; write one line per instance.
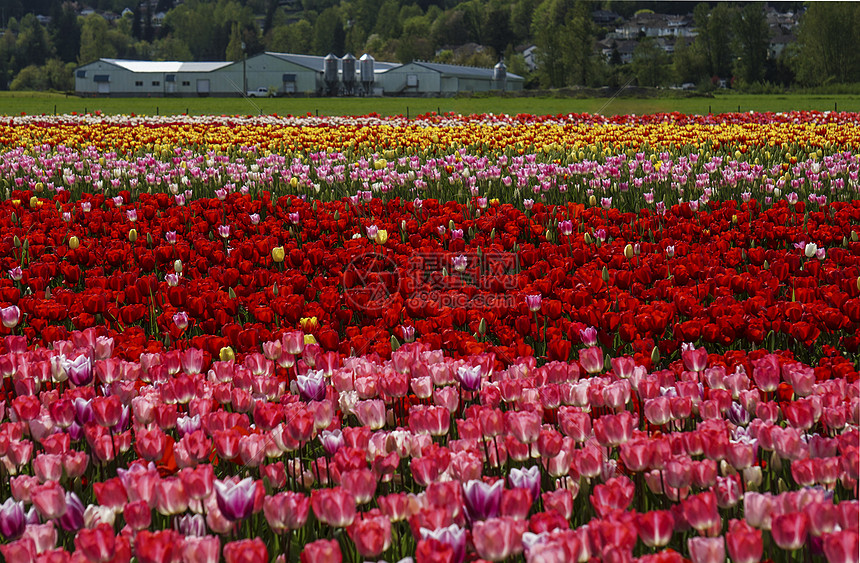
(591, 359)
(790, 530)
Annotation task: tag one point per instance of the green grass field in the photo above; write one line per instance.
(37, 103)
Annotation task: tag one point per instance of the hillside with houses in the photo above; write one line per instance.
(549, 43)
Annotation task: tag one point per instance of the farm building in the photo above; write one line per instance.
(435, 79)
(309, 74)
(114, 77)
(287, 74)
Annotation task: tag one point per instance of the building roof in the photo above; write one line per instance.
(463, 71)
(166, 66)
(317, 63)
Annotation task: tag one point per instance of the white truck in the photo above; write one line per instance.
(260, 92)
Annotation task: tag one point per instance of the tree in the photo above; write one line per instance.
(548, 28)
(752, 37)
(94, 40)
(714, 37)
(65, 32)
(827, 30)
(497, 26)
(33, 43)
(329, 35)
(235, 48)
(170, 49)
(31, 77)
(293, 38)
(388, 20)
(650, 64)
(689, 64)
(564, 37)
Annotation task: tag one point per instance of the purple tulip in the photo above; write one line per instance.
(73, 519)
(83, 410)
(12, 522)
(311, 386)
(482, 500)
(80, 370)
(533, 302)
(469, 378)
(525, 479)
(191, 525)
(235, 500)
(332, 441)
(453, 535)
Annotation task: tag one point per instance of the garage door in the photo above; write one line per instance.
(203, 87)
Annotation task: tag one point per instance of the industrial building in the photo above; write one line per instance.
(123, 78)
(286, 74)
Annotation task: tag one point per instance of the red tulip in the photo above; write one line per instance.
(157, 547)
(744, 542)
(841, 546)
(498, 538)
(707, 550)
(370, 534)
(335, 507)
(790, 530)
(655, 527)
(701, 511)
(322, 551)
(246, 551)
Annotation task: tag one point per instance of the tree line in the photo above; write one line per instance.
(731, 43)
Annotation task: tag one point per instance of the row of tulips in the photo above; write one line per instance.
(422, 456)
(741, 132)
(465, 278)
(630, 179)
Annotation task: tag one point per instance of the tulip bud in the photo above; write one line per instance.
(148, 239)
(854, 236)
(587, 238)
(734, 219)
(14, 217)
(275, 289)
(655, 356)
(231, 293)
(315, 206)
(858, 282)
(548, 234)
(592, 200)
(226, 354)
(605, 275)
(294, 182)
(74, 242)
(395, 344)
(132, 235)
(177, 266)
(628, 251)
(403, 225)
(278, 254)
(493, 233)
(845, 242)
(451, 225)
(16, 241)
(482, 327)
(765, 266)
(337, 215)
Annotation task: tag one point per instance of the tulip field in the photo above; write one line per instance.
(443, 339)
